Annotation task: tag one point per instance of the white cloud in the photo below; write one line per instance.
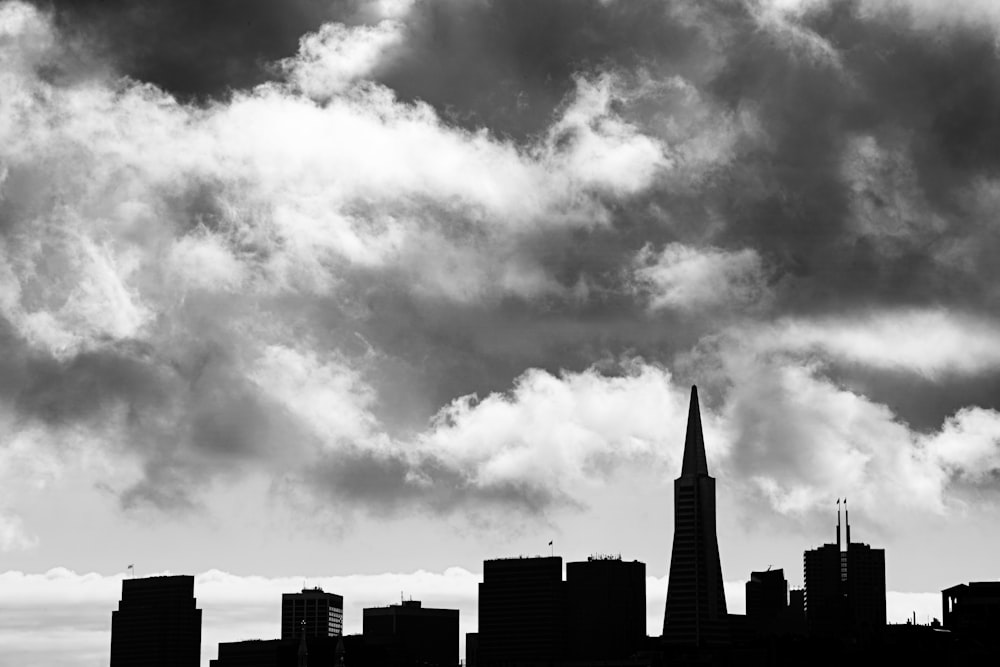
(335, 56)
(597, 147)
(933, 343)
(801, 440)
(560, 432)
(688, 279)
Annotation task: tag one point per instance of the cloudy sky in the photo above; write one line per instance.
(360, 293)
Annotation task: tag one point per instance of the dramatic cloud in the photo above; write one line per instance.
(308, 253)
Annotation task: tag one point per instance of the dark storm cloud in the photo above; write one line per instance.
(195, 48)
(507, 65)
(921, 99)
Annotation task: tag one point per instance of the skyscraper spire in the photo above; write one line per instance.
(695, 462)
(695, 612)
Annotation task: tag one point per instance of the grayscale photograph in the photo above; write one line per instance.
(499, 333)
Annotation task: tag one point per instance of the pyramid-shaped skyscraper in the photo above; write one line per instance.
(696, 601)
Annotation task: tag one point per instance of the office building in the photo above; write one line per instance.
(865, 588)
(411, 634)
(606, 612)
(157, 624)
(766, 599)
(696, 601)
(521, 612)
(844, 587)
(322, 612)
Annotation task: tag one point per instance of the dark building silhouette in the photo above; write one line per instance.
(322, 612)
(157, 624)
(696, 601)
(767, 600)
(411, 634)
(521, 612)
(471, 649)
(308, 651)
(797, 603)
(606, 613)
(844, 589)
(972, 609)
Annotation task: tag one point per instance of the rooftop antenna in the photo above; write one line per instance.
(131, 569)
(552, 549)
(838, 524)
(847, 520)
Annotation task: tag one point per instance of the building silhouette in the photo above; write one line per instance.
(521, 612)
(696, 601)
(606, 613)
(157, 624)
(972, 609)
(410, 634)
(844, 587)
(766, 600)
(322, 612)
(471, 649)
(308, 652)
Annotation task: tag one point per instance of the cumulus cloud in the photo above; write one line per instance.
(688, 279)
(799, 439)
(932, 343)
(332, 58)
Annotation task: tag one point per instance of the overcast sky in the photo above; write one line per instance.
(361, 293)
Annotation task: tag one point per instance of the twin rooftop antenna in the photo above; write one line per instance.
(847, 522)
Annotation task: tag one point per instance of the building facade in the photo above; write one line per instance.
(606, 613)
(157, 624)
(318, 613)
(696, 600)
(521, 612)
(844, 588)
(411, 634)
(766, 599)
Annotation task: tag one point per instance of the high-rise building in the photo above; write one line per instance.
(606, 612)
(322, 612)
(521, 611)
(844, 587)
(157, 624)
(411, 634)
(696, 601)
(767, 599)
(865, 588)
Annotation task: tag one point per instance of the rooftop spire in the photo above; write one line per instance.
(694, 442)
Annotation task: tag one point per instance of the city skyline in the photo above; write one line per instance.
(366, 292)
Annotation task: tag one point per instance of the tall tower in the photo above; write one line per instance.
(157, 624)
(845, 586)
(696, 601)
(521, 611)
